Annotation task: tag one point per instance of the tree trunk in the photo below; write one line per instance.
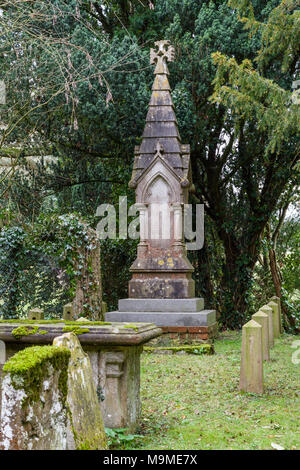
(236, 281)
(202, 275)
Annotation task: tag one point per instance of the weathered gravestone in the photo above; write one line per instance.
(68, 312)
(251, 372)
(277, 300)
(88, 294)
(268, 311)
(34, 392)
(276, 318)
(49, 400)
(85, 430)
(35, 314)
(263, 320)
(162, 289)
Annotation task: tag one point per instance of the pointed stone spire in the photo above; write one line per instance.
(161, 123)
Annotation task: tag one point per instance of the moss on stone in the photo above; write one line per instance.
(91, 323)
(31, 322)
(197, 349)
(76, 330)
(27, 330)
(83, 443)
(82, 401)
(132, 326)
(28, 369)
(49, 322)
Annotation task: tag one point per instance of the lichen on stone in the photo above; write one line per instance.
(83, 406)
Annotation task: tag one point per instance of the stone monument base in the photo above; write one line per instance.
(183, 321)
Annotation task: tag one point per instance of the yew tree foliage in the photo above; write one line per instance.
(231, 88)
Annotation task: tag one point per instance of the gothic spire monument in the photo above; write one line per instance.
(162, 179)
(161, 289)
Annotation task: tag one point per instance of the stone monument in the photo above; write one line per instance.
(162, 290)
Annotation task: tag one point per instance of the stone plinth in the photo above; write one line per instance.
(114, 350)
(161, 305)
(184, 320)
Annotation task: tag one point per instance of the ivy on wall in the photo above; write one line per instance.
(49, 264)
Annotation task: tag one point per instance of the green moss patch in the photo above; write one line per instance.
(28, 369)
(197, 349)
(49, 322)
(27, 330)
(75, 329)
(31, 322)
(132, 326)
(91, 323)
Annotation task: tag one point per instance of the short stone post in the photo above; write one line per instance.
(104, 308)
(251, 374)
(268, 310)
(68, 312)
(262, 319)
(277, 299)
(276, 319)
(35, 314)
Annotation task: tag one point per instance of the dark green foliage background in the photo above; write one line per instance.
(94, 161)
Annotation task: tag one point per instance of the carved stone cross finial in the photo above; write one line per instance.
(158, 149)
(159, 56)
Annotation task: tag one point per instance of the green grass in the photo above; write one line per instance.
(193, 402)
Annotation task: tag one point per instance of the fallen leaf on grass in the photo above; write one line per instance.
(276, 446)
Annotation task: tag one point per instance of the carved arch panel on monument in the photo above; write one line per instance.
(158, 198)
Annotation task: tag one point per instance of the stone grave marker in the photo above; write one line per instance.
(251, 372)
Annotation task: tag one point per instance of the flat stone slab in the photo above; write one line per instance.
(89, 333)
(203, 318)
(195, 304)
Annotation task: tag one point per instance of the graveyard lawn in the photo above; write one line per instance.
(193, 402)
